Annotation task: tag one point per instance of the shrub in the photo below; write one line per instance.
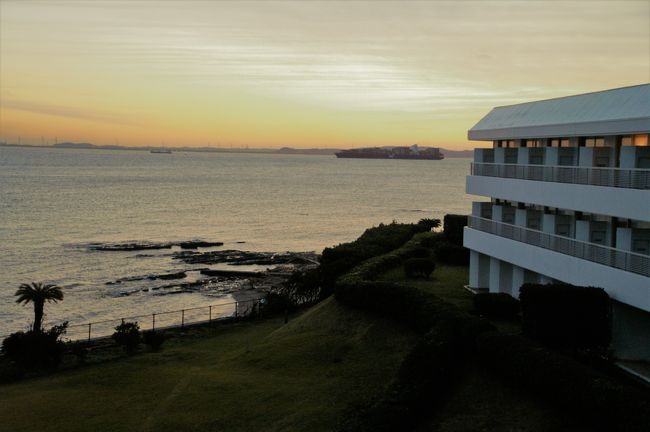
(429, 223)
(600, 402)
(127, 335)
(36, 349)
(416, 252)
(496, 305)
(453, 228)
(419, 267)
(10, 372)
(375, 241)
(431, 240)
(153, 339)
(451, 254)
(567, 316)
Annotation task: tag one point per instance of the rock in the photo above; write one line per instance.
(194, 244)
(230, 273)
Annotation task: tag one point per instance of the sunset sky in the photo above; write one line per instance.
(300, 74)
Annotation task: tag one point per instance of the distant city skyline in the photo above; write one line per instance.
(300, 74)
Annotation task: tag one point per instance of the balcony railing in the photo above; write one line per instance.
(620, 259)
(612, 177)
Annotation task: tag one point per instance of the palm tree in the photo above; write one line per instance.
(38, 294)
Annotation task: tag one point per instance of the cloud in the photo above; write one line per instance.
(69, 112)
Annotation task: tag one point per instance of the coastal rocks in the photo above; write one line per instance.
(164, 276)
(236, 257)
(230, 273)
(140, 246)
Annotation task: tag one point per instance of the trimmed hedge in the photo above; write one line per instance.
(567, 316)
(419, 267)
(496, 305)
(451, 254)
(603, 403)
(453, 225)
(373, 242)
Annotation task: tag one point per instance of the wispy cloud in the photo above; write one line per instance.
(81, 113)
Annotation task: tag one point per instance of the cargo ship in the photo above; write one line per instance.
(412, 152)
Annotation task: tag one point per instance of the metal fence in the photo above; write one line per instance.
(164, 320)
(624, 260)
(612, 177)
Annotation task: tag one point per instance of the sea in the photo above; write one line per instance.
(55, 203)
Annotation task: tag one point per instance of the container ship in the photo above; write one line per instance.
(412, 152)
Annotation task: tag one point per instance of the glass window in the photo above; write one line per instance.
(627, 141)
(641, 140)
(565, 142)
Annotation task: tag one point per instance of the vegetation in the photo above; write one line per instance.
(37, 294)
(567, 316)
(127, 335)
(419, 267)
(35, 349)
(302, 376)
(153, 339)
(453, 226)
(496, 305)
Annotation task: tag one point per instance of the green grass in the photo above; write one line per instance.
(263, 376)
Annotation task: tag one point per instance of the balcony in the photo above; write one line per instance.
(616, 258)
(609, 177)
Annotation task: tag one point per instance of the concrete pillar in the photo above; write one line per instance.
(586, 157)
(520, 217)
(628, 157)
(497, 212)
(499, 155)
(517, 280)
(495, 275)
(474, 267)
(551, 156)
(630, 332)
(548, 223)
(522, 156)
(582, 230)
(624, 238)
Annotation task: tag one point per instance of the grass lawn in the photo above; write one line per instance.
(448, 282)
(268, 376)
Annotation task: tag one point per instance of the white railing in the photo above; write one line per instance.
(612, 177)
(624, 260)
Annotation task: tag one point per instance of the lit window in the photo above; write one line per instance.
(641, 140)
(627, 141)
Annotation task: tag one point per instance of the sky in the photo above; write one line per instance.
(300, 74)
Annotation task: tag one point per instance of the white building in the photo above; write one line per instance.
(569, 186)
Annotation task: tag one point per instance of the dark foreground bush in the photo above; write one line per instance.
(451, 254)
(567, 316)
(419, 267)
(36, 350)
(153, 339)
(496, 305)
(127, 335)
(453, 225)
(594, 399)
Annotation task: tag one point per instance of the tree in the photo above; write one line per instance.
(38, 294)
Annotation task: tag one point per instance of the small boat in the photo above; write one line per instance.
(161, 151)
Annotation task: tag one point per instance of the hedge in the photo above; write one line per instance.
(451, 254)
(375, 241)
(453, 225)
(567, 316)
(603, 403)
(496, 305)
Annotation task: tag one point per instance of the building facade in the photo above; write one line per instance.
(568, 183)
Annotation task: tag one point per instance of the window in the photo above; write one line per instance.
(641, 140)
(595, 142)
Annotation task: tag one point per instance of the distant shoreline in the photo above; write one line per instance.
(282, 151)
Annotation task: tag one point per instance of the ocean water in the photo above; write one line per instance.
(55, 202)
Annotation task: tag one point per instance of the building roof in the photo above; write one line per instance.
(618, 111)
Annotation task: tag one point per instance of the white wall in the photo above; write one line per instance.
(630, 288)
(619, 202)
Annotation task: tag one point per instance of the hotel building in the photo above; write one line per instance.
(568, 183)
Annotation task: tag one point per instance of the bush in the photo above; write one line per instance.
(600, 402)
(127, 335)
(496, 305)
(36, 349)
(451, 254)
(431, 240)
(453, 228)
(10, 372)
(153, 339)
(566, 316)
(429, 223)
(419, 267)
